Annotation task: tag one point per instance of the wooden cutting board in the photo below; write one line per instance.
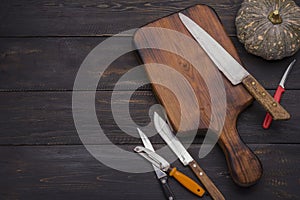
(244, 166)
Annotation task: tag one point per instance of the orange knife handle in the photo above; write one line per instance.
(268, 119)
(187, 182)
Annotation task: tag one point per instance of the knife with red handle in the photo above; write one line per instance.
(277, 96)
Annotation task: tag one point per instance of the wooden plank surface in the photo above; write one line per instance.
(42, 46)
(93, 18)
(65, 172)
(86, 18)
(41, 118)
(54, 62)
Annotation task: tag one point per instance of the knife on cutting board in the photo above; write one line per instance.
(165, 132)
(234, 72)
(244, 166)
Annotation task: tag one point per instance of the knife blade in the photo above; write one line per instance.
(278, 93)
(161, 175)
(233, 70)
(161, 163)
(148, 145)
(176, 146)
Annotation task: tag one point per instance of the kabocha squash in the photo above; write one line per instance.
(269, 28)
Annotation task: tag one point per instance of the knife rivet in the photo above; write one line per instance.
(170, 198)
(194, 165)
(163, 181)
(274, 104)
(201, 173)
(253, 83)
(264, 94)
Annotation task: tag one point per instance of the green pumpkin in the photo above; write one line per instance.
(269, 28)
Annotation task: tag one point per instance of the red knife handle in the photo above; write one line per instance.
(268, 119)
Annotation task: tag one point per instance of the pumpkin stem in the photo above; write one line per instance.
(274, 17)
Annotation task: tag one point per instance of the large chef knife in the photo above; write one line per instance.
(165, 132)
(161, 175)
(233, 70)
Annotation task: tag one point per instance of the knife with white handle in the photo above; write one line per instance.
(233, 70)
(165, 132)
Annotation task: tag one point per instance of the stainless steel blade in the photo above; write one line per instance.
(165, 132)
(159, 173)
(286, 73)
(221, 58)
(153, 158)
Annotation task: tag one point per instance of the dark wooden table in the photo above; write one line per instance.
(43, 43)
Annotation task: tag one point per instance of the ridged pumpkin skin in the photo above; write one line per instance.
(260, 36)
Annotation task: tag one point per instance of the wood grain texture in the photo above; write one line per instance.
(41, 153)
(265, 99)
(94, 18)
(70, 172)
(54, 62)
(244, 166)
(45, 118)
(213, 191)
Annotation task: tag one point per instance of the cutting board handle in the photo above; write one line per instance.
(244, 166)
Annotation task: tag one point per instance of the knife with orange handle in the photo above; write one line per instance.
(161, 175)
(162, 164)
(177, 147)
(159, 162)
(186, 182)
(277, 96)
